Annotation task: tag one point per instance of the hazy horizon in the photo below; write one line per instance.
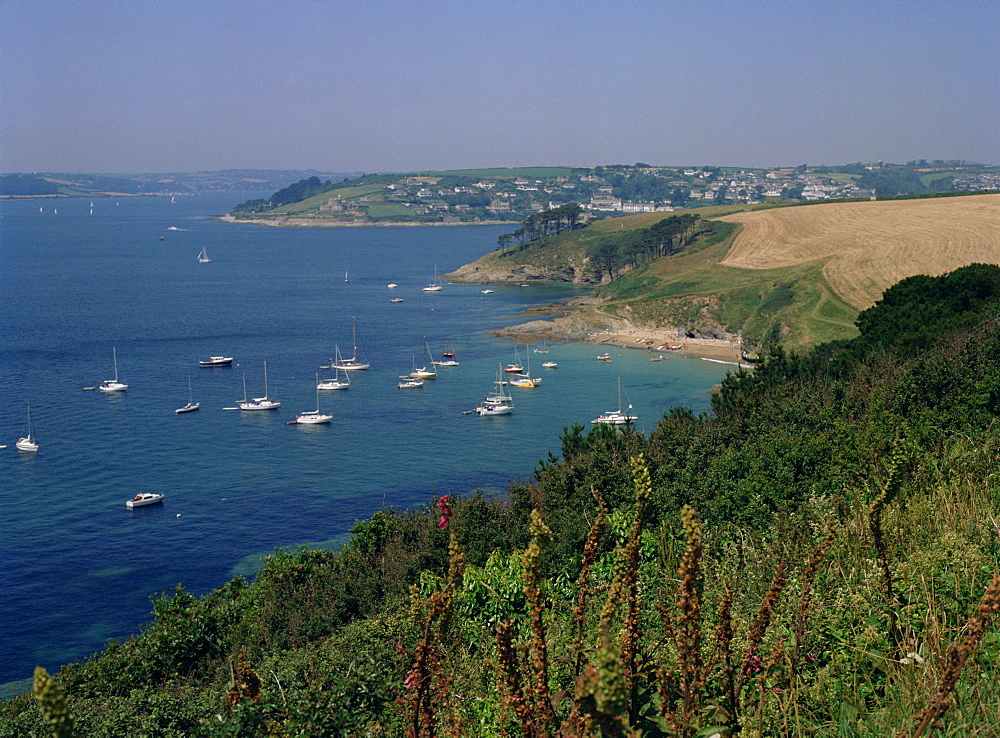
(115, 86)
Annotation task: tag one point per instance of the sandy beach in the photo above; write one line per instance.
(656, 343)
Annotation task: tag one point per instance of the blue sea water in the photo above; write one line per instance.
(78, 568)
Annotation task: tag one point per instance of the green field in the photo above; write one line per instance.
(313, 203)
(389, 210)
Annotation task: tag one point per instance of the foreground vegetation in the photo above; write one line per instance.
(817, 556)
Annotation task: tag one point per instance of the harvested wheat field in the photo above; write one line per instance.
(869, 246)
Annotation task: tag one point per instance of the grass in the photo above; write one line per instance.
(781, 633)
(796, 299)
(313, 203)
(385, 210)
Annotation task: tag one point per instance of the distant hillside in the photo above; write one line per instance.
(514, 194)
(57, 184)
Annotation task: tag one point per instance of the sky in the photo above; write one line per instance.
(131, 86)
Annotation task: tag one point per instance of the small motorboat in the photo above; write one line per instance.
(550, 364)
(487, 292)
(392, 285)
(406, 384)
(142, 499)
(604, 357)
(217, 361)
(396, 299)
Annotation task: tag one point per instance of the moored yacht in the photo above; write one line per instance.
(258, 403)
(113, 385)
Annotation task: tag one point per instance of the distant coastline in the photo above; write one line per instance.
(318, 223)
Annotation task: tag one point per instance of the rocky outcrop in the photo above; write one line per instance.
(491, 270)
(580, 317)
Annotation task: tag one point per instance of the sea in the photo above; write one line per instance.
(88, 283)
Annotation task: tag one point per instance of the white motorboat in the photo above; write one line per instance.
(549, 364)
(216, 361)
(617, 417)
(142, 499)
(434, 286)
(392, 285)
(408, 383)
(258, 403)
(113, 385)
(334, 383)
(313, 417)
(352, 364)
(487, 292)
(396, 299)
(29, 442)
(191, 405)
(203, 257)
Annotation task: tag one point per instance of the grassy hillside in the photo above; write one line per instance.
(777, 273)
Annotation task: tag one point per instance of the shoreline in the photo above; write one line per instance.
(316, 223)
(655, 341)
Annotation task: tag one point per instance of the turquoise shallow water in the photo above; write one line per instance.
(78, 567)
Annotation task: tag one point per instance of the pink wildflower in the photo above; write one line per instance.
(445, 509)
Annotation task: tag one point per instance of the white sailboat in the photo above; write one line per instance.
(353, 363)
(617, 417)
(191, 405)
(29, 442)
(203, 257)
(113, 385)
(516, 367)
(313, 417)
(258, 403)
(496, 403)
(335, 382)
(423, 372)
(435, 286)
(345, 276)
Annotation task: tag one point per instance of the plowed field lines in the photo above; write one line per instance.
(869, 246)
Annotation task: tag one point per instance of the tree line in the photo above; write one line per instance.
(540, 225)
(663, 238)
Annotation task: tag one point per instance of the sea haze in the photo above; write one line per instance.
(78, 567)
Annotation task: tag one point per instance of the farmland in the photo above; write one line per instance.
(869, 246)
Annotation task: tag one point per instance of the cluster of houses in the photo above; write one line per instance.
(597, 190)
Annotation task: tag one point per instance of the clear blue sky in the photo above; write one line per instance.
(181, 85)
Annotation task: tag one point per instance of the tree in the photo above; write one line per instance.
(606, 258)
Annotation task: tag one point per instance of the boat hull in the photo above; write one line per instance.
(143, 500)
